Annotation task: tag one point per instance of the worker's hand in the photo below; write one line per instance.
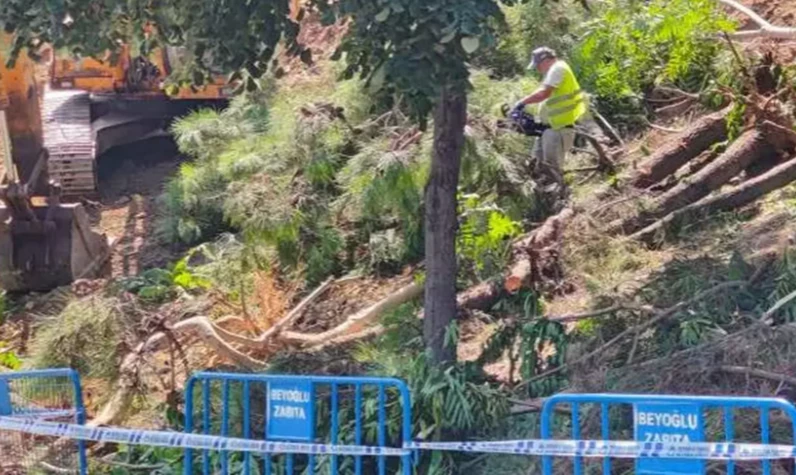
(520, 106)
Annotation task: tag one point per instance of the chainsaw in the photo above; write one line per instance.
(522, 122)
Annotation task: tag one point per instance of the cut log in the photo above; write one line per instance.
(535, 264)
(751, 146)
(742, 195)
(535, 258)
(704, 133)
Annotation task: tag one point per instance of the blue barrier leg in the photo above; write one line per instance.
(358, 426)
(206, 424)
(188, 454)
(382, 429)
(335, 425)
(766, 436)
(81, 419)
(578, 462)
(225, 425)
(547, 412)
(729, 434)
(247, 430)
(606, 434)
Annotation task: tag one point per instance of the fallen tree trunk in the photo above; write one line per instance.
(774, 179)
(753, 145)
(679, 151)
(535, 264)
(359, 321)
(233, 347)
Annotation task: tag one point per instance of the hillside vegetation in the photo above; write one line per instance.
(300, 213)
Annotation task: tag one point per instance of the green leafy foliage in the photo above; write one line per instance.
(8, 358)
(240, 37)
(484, 240)
(530, 24)
(524, 339)
(449, 402)
(632, 46)
(414, 47)
(160, 285)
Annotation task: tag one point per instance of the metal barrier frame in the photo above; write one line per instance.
(334, 382)
(79, 408)
(726, 404)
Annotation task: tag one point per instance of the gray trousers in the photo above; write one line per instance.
(550, 151)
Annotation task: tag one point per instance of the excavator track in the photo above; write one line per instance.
(70, 140)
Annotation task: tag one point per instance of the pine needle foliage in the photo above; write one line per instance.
(328, 192)
(84, 336)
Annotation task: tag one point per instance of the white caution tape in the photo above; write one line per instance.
(185, 441)
(554, 448)
(617, 449)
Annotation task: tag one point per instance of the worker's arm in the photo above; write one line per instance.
(541, 94)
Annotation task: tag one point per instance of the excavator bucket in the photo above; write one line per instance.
(45, 244)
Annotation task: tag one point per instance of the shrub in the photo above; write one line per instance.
(633, 45)
(484, 239)
(86, 335)
(529, 25)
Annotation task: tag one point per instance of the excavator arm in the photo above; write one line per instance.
(44, 243)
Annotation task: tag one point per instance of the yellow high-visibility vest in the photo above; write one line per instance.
(567, 104)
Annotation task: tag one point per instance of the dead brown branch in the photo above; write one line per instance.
(660, 315)
(234, 347)
(758, 373)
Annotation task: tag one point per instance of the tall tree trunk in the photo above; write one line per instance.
(450, 117)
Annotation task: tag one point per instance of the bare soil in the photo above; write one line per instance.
(131, 179)
(779, 13)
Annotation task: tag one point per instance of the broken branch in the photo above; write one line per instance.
(766, 29)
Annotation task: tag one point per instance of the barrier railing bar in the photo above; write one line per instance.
(205, 424)
(766, 436)
(764, 405)
(382, 438)
(578, 462)
(79, 412)
(335, 382)
(358, 426)
(247, 460)
(729, 434)
(224, 424)
(335, 425)
(605, 431)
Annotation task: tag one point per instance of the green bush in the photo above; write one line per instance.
(484, 239)
(633, 46)
(529, 25)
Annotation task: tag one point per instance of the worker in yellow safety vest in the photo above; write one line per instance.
(563, 104)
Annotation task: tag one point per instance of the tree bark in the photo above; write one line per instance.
(676, 153)
(534, 264)
(450, 118)
(750, 147)
(739, 196)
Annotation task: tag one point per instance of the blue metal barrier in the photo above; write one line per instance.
(665, 419)
(310, 409)
(53, 395)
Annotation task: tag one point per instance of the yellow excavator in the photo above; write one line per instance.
(56, 119)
